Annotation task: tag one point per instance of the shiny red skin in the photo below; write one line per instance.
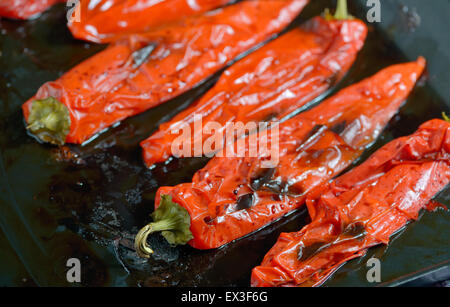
(105, 21)
(24, 9)
(108, 88)
(270, 83)
(307, 159)
(380, 196)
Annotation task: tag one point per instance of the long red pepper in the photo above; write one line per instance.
(361, 209)
(232, 197)
(146, 70)
(105, 21)
(270, 83)
(24, 9)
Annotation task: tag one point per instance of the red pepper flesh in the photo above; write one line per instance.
(270, 83)
(104, 21)
(131, 76)
(24, 9)
(361, 209)
(314, 146)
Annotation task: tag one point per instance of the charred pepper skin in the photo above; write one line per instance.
(25, 9)
(361, 209)
(105, 21)
(270, 83)
(314, 146)
(145, 70)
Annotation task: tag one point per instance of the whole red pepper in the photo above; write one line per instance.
(361, 209)
(24, 9)
(232, 197)
(134, 75)
(268, 84)
(105, 21)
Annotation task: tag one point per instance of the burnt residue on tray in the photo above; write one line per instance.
(89, 201)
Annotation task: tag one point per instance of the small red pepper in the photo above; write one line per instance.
(361, 209)
(24, 9)
(268, 84)
(139, 73)
(104, 21)
(232, 197)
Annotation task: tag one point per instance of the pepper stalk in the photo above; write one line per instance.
(172, 220)
(341, 12)
(49, 120)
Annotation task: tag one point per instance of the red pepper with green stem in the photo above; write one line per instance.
(232, 197)
(269, 84)
(361, 209)
(25, 9)
(104, 21)
(145, 70)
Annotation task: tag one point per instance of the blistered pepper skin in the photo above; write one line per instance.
(146, 70)
(314, 146)
(24, 9)
(105, 21)
(361, 209)
(270, 83)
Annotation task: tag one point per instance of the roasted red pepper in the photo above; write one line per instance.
(232, 196)
(361, 209)
(270, 83)
(104, 21)
(24, 9)
(146, 70)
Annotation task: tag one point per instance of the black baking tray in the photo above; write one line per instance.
(89, 208)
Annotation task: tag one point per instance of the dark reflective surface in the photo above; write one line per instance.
(88, 202)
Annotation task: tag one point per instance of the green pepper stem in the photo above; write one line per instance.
(170, 218)
(445, 117)
(341, 10)
(49, 120)
(140, 243)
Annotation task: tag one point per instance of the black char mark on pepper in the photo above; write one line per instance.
(264, 181)
(311, 136)
(264, 177)
(352, 231)
(339, 127)
(307, 252)
(245, 202)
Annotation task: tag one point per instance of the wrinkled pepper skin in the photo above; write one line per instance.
(24, 9)
(104, 21)
(131, 76)
(270, 83)
(314, 146)
(361, 209)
